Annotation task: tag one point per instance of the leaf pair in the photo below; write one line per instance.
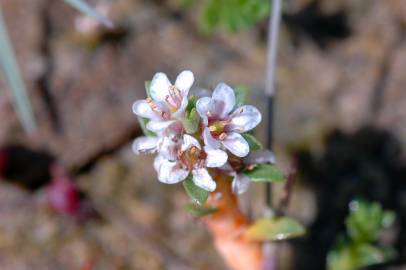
(199, 197)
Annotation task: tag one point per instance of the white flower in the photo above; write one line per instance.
(241, 182)
(167, 103)
(166, 145)
(190, 158)
(223, 124)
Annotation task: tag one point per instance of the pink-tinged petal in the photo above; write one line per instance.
(203, 106)
(236, 144)
(202, 179)
(240, 183)
(169, 147)
(260, 157)
(224, 94)
(157, 126)
(145, 145)
(181, 110)
(245, 118)
(184, 81)
(189, 141)
(215, 158)
(209, 141)
(159, 87)
(170, 173)
(142, 108)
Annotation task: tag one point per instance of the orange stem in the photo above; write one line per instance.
(227, 226)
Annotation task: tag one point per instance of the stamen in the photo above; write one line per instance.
(193, 150)
(251, 167)
(222, 136)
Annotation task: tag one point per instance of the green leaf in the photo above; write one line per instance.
(279, 228)
(143, 124)
(388, 218)
(369, 255)
(13, 76)
(186, 3)
(200, 211)
(210, 17)
(82, 6)
(252, 142)
(265, 173)
(341, 258)
(233, 15)
(196, 193)
(366, 220)
(147, 88)
(241, 94)
(191, 121)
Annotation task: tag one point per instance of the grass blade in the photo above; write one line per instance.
(84, 7)
(16, 85)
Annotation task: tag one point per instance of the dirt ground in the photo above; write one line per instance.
(82, 85)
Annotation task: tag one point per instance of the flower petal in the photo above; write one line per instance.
(215, 158)
(245, 118)
(142, 108)
(189, 141)
(202, 178)
(224, 94)
(145, 145)
(169, 147)
(203, 106)
(157, 162)
(157, 126)
(184, 81)
(170, 173)
(159, 87)
(236, 144)
(209, 141)
(260, 157)
(240, 183)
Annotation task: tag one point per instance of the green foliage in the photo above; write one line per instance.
(366, 220)
(241, 94)
(265, 173)
(353, 257)
(197, 194)
(252, 142)
(147, 85)
(143, 124)
(233, 15)
(274, 229)
(191, 121)
(200, 211)
(82, 6)
(192, 118)
(358, 249)
(13, 76)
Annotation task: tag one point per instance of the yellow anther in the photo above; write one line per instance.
(212, 128)
(193, 150)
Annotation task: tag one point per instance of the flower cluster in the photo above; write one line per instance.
(193, 136)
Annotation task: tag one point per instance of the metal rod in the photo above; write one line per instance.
(270, 81)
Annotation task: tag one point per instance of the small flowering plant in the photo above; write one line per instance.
(196, 137)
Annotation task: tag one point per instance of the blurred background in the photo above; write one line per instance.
(74, 196)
